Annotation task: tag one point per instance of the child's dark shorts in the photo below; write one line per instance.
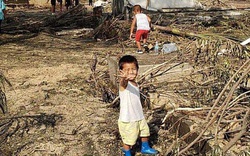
(53, 2)
(67, 2)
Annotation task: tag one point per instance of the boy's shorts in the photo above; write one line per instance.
(141, 34)
(53, 2)
(130, 131)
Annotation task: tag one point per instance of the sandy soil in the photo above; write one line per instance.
(51, 75)
(56, 107)
(52, 79)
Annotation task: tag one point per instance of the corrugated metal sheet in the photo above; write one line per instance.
(164, 4)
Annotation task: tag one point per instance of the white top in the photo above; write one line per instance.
(2, 7)
(130, 104)
(142, 22)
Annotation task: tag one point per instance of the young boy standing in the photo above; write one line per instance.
(142, 22)
(2, 12)
(131, 121)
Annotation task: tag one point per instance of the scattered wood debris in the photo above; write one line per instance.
(209, 99)
(202, 110)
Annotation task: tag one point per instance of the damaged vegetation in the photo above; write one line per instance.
(205, 111)
(3, 100)
(14, 129)
(197, 98)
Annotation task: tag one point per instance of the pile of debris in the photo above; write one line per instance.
(199, 94)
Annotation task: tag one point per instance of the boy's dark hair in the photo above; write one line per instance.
(128, 59)
(137, 8)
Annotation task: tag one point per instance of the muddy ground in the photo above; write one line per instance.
(53, 97)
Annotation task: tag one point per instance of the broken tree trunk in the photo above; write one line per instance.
(177, 31)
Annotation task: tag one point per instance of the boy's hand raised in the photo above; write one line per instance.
(123, 75)
(126, 76)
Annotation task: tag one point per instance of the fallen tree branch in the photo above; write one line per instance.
(227, 100)
(240, 134)
(213, 119)
(154, 69)
(177, 31)
(161, 73)
(23, 37)
(225, 88)
(180, 109)
(68, 12)
(98, 29)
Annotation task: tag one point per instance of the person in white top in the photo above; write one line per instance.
(131, 120)
(142, 22)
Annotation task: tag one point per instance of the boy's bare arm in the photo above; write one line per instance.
(123, 83)
(132, 27)
(4, 12)
(149, 21)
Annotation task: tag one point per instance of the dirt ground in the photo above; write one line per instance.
(50, 76)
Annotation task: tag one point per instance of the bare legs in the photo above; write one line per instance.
(138, 43)
(53, 9)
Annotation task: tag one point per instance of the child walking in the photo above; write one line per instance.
(68, 3)
(2, 12)
(76, 2)
(142, 22)
(131, 120)
(53, 6)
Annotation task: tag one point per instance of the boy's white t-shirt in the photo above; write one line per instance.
(130, 104)
(142, 22)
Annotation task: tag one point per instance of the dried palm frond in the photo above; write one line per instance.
(244, 153)
(216, 151)
(4, 80)
(3, 100)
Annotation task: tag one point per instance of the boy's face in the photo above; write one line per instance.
(136, 12)
(130, 70)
